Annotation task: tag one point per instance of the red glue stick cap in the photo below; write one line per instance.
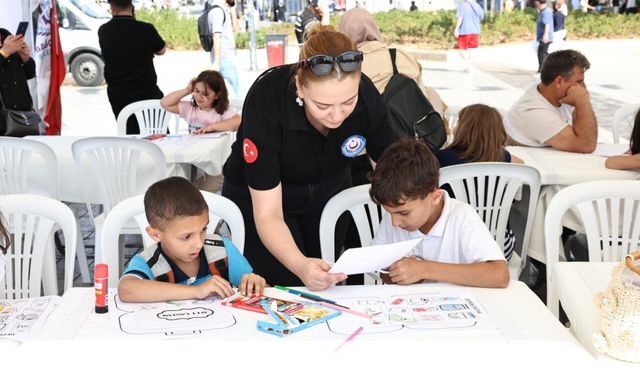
(101, 271)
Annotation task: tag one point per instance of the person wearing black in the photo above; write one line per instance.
(310, 16)
(128, 47)
(302, 126)
(16, 67)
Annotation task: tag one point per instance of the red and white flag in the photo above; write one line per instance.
(53, 112)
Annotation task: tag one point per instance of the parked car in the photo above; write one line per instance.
(79, 23)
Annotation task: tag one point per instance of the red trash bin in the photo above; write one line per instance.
(276, 49)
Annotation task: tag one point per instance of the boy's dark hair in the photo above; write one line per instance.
(172, 198)
(561, 63)
(406, 170)
(634, 143)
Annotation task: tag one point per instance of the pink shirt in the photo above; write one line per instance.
(194, 115)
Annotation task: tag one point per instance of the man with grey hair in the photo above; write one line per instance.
(557, 112)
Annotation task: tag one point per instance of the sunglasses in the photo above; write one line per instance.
(322, 65)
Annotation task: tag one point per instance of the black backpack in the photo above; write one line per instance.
(204, 31)
(411, 112)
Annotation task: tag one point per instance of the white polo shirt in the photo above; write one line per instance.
(459, 236)
(532, 120)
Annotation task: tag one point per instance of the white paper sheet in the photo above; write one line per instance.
(21, 319)
(372, 258)
(606, 149)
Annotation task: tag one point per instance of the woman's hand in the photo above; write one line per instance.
(252, 284)
(12, 44)
(314, 274)
(24, 52)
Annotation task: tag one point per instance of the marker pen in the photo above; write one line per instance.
(101, 274)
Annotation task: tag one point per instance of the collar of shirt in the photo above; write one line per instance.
(438, 228)
(180, 276)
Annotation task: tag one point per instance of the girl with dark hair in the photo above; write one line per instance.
(208, 110)
(5, 242)
(631, 159)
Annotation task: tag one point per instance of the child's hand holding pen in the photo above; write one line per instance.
(215, 285)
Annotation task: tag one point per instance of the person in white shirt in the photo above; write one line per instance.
(557, 112)
(456, 245)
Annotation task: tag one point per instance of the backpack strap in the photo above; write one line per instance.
(392, 52)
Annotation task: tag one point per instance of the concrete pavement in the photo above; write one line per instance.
(500, 76)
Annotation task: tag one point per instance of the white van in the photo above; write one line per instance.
(79, 23)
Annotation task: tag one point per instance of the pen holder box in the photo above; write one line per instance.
(619, 307)
(286, 324)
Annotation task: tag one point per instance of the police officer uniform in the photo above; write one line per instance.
(277, 144)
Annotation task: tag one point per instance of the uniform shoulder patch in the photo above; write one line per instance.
(249, 151)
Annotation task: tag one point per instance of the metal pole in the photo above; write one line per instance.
(253, 55)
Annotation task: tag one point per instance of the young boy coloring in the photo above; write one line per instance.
(186, 263)
(456, 245)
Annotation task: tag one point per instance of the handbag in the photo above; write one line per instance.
(619, 307)
(18, 123)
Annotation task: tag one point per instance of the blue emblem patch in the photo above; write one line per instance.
(353, 145)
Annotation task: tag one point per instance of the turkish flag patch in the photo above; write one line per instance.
(249, 151)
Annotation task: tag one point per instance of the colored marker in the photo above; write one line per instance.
(306, 295)
(344, 309)
(350, 338)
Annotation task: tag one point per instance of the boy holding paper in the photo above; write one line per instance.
(456, 245)
(185, 263)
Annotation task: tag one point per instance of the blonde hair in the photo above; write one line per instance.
(479, 135)
(324, 40)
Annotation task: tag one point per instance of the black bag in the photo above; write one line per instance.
(18, 123)
(411, 112)
(204, 31)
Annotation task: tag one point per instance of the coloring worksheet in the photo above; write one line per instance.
(425, 311)
(23, 318)
(168, 319)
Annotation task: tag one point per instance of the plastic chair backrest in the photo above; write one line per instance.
(15, 162)
(610, 212)
(498, 183)
(31, 220)
(114, 163)
(365, 213)
(623, 119)
(133, 208)
(152, 118)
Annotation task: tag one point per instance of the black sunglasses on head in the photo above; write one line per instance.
(322, 65)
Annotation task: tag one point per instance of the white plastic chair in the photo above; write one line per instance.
(32, 220)
(623, 121)
(152, 118)
(610, 214)
(113, 163)
(500, 183)
(16, 155)
(366, 215)
(220, 208)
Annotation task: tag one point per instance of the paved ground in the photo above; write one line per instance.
(500, 76)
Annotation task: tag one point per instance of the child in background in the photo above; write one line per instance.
(184, 264)
(631, 159)
(479, 137)
(456, 245)
(208, 111)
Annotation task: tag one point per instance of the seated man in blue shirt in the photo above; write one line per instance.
(186, 263)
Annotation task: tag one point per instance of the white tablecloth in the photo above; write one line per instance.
(526, 333)
(578, 283)
(559, 169)
(205, 153)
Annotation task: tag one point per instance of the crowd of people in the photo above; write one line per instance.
(302, 127)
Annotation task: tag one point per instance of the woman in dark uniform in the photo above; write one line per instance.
(302, 125)
(16, 67)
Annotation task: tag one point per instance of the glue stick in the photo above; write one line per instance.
(101, 280)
